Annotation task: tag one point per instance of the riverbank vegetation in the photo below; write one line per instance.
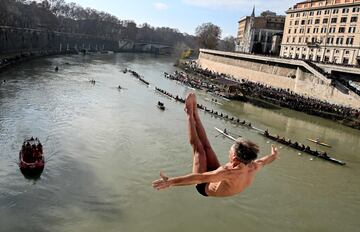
(60, 16)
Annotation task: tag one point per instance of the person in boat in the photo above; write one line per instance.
(225, 131)
(303, 147)
(266, 133)
(40, 148)
(56, 69)
(27, 153)
(119, 87)
(210, 178)
(324, 154)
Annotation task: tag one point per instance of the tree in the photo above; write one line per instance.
(208, 35)
(228, 44)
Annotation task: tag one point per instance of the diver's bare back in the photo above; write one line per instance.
(238, 179)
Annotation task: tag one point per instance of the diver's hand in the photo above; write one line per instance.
(162, 183)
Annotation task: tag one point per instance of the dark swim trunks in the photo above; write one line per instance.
(201, 189)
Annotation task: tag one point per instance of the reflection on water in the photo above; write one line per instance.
(105, 146)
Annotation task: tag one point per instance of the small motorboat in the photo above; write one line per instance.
(161, 106)
(31, 158)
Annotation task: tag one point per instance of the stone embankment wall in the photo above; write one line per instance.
(277, 75)
(19, 40)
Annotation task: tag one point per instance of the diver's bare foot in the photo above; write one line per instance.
(195, 105)
(189, 109)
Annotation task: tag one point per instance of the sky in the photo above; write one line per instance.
(186, 15)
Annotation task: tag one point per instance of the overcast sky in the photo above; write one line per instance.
(186, 15)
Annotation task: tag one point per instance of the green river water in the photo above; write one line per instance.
(104, 147)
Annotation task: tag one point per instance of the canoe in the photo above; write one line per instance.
(224, 134)
(319, 143)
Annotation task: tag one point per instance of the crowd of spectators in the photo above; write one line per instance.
(282, 97)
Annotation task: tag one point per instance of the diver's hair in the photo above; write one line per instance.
(245, 150)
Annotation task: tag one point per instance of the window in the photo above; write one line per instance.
(343, 20)
(289, 30)
(295, 30)
(339, 40)
(335, 11)
(317, 21)
(308, 30)
(318, 12)
(345, 10)
(330, 40)
(316, 30)
(349, 41)
(298, 15)
(332, 29)
(341, 29)
(304, 14)
(327, 12)
(292, 16)
(310, 21)
(290, 23)
(333, 20)
(352, 29)
(297, 22)
(311, 13)
(294, 39)
(325, 20)
(303, 22)
(353, 19)
(323, 30)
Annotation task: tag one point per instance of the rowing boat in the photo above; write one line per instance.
(319, 143)
(213, 101)
(225, 134)
(303, 149)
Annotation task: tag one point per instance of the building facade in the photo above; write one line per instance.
(255, 34)
(323, 31)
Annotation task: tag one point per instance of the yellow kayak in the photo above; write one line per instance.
(317, 142)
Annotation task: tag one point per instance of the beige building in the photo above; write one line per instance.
(255, 34)
(323, 31)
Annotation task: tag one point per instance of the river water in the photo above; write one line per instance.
(104, 147)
